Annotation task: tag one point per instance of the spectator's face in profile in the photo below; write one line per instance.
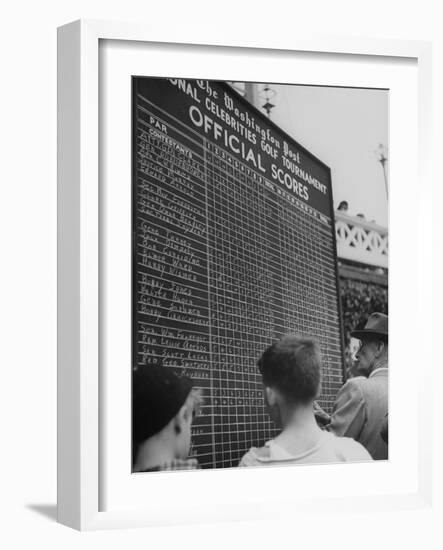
(183, 434)
(365, 358)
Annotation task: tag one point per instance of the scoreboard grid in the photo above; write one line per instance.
(225, 262)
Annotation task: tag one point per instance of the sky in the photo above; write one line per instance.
(343, 127)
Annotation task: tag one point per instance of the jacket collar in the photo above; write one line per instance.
(380, 371)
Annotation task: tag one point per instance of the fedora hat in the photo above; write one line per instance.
(377, 325)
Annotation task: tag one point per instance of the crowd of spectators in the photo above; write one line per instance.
(358, 300)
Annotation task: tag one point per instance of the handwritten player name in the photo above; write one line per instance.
(148, 230)
(154, 201)
(189, 224)
(176, 334)
(170, 270)
(171, 263)
(152, 238)
(184, 305)
(177, 344)
(173, 169)
(170, 163)
(179, 244)
(182, 184)
(163, 288)
(176, 314)
(163, 253)
(152, 190)
(172, 342)
(150, 358)
(182, 355)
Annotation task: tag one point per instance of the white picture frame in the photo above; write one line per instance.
(80, 362)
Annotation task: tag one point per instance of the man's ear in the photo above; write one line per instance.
(380, 348)
(180, 419)
(271, 396)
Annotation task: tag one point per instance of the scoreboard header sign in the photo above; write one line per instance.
(215, 112)
(233, 247)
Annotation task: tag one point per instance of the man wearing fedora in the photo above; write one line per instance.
(361, 406)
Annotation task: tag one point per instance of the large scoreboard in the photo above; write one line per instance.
(233, 247)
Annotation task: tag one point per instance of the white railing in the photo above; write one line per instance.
(361, 241)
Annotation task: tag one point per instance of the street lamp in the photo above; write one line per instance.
(382, 157)
(267, 93)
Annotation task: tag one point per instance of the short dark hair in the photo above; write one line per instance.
(158, 393)
(292, 366)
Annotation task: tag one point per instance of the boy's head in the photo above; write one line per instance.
(163, 403)
(290, 370)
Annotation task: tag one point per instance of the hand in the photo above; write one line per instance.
(321, 416)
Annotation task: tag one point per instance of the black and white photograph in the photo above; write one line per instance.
(259, 274)
(221, 275)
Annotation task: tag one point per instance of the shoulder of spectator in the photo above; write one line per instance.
(247, 459)
(353, 387)
(350, 397)
(349, 411)
(353, 450)
(254, 455)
